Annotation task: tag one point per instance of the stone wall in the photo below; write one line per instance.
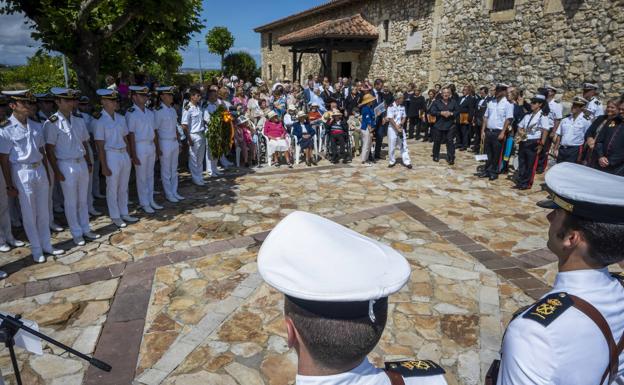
(562, 42)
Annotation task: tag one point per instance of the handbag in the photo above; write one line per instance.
(492, 374)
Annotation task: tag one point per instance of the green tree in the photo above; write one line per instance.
(40, 73)
(219, 41)
(105, 36)
(240, 64)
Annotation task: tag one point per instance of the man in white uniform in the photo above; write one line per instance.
(24, 169)
(496, 124)
(570, 135)
(166, 123)
(111, 138)
(85, 109)
(594, 108)
(555, 116)
(144, 147)
(335, 317)
(396, 135)
(574, 334)
(194, 125)
(67, 141)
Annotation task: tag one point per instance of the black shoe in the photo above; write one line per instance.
(463, 149)
(493, 177)
(435, 159)
(482, 174)
(451, 162)
(539, 172)
(391, 165)
(409, 166)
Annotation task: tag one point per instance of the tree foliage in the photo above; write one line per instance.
(40, 73)
(106, 36)
(219, 41)
(240, 64)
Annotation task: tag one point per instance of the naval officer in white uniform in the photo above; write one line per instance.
(336, 316)
(67, 140)
(574, 334)
(166, 123)
(24, 169)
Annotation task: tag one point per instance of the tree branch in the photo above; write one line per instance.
(85, 9)
(139, 39)
(112, 28)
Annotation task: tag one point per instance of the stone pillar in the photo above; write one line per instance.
(434, 72)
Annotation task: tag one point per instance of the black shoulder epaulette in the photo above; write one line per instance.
(557, 101)
(131, 109)
(619, 275)
(587, 115)
(4, 123)
(415, 368)
(547, 309)
(77, 114)
(158, 108)
(121, 112)
(187, 107)
(96, 114)
(597, 102)
(53, 118)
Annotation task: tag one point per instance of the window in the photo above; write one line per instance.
(270, 72)
(270, 41)
(386, 28)
(502, 5)
(283, 71)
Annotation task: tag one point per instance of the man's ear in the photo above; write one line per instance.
(293, 335)
(573, 239)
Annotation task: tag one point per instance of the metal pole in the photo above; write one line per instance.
(201, 73)
(65, 71)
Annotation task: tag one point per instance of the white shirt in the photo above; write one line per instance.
(111, 131)
(88, 119)
(366, 374)
(571, 350)
(166, 122)
(288, 121)
(534, 124)
(21, 143)
(595, 108)
(67, 136)
(396, 113)
(194, 117)
(141, 124)
(572, 131)
(498, 112)
(556, 111)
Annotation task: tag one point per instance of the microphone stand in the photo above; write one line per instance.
(12, 324)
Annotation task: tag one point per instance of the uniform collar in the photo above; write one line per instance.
(137, 108)
(582, 279)
(16, 122)
(352, 377)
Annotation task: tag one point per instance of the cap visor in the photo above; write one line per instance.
(547, 204)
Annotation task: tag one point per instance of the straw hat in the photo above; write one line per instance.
(337, 113)
(302, 114)
(271, 115)
(368, 98)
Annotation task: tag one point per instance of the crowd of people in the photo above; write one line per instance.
(55, 149)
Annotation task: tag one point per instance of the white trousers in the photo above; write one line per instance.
(6, 235)
(75, 192)
(366, 145)
(169, 166)
(33, 192)
(51, 203)
(90, 184)
(146, 152)
(211, 163)
(117, 184)
(197, 152)
(393, 141)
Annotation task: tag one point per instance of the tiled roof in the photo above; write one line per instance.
(308, 12)
(354, 27)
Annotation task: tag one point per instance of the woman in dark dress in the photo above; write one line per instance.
(305, 136)
(590, 158)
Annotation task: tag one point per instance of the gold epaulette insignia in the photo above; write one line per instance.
(547, 309)
(415, 368)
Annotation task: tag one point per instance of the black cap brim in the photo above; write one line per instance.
(548, 204)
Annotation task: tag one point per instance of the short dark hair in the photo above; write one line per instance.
(194, 91)
(337, 343)
(605, 240)
(485, 89)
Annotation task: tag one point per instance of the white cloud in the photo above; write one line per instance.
(16, 44)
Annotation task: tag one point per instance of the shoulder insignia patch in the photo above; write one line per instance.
(546, 310)
(187, 107)
(587, 115)
(96, 114)
(4, 123)
(158, 108)
(131, 109)
(597, 102)
(415, 368)
(53, 118)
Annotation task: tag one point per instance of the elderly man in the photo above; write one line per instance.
(335, 317)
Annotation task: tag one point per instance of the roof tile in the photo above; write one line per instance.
(353, 27)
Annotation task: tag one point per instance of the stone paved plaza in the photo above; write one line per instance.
(177, 299)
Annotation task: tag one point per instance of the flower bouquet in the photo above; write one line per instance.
(220, 132)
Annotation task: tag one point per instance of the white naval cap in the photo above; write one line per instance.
(20, 95)
(140, 90)
(106, 93)
(165, 90)
(329, 269)
(590, 86)
(585, 192)
(64, 93)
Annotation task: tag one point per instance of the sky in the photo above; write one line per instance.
(16, 45)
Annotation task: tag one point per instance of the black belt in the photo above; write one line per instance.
(566, 147)
(492, 130)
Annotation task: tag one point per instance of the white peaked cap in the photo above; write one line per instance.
(312, 258)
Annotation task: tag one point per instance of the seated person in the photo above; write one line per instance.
(243, 139)
(355, 128)
(339, 134)
(275, 132)
(305, 136)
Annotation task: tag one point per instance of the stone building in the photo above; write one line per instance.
(523, 42)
